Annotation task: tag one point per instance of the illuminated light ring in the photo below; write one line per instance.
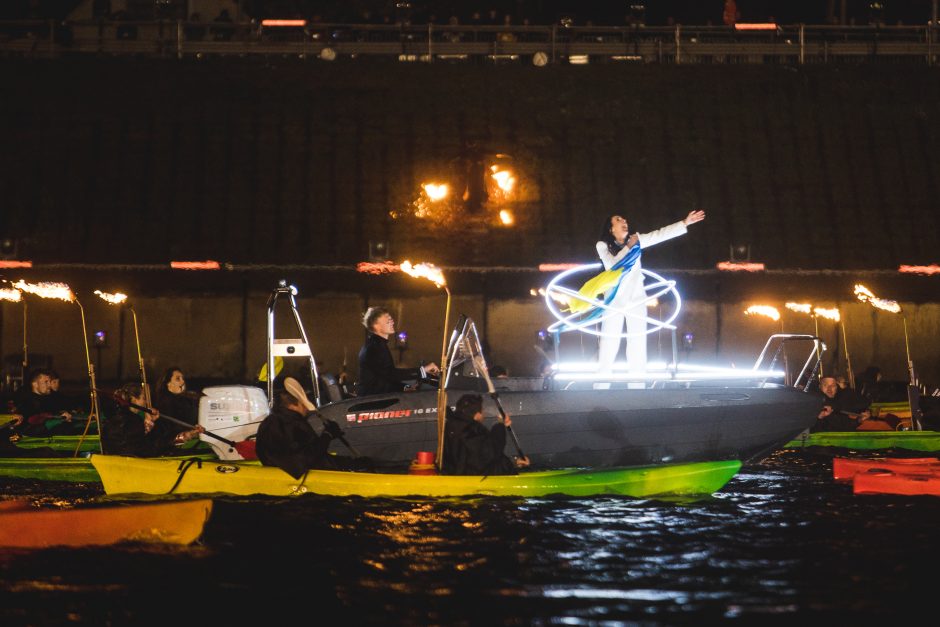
(591, 326)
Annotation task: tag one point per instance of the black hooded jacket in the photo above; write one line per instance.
(472, 449)
(286, 440)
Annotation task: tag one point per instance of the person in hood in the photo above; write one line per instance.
(472, 449)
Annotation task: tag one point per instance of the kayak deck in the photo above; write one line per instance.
(129, 475)
(926, 441)
(845, 468)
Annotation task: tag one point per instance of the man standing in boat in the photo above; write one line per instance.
(624, 292)
(377, 371)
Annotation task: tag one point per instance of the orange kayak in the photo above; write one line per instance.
(845, 468)
(172, 522)
(887, 482)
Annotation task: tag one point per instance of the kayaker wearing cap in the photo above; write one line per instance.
(286, 440)
(472, 449)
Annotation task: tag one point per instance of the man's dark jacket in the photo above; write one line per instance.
(377, 371)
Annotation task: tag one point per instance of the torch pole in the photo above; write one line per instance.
(441, 391)
(848, 360)
(25, 348)
(93, 410)
(140, 362)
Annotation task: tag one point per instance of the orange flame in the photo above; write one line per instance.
(763, 310)
(112, 299)
(60, 291)
(800, 307)
(504, 179)
(13, 263)
(384, 267)
(436, 191)
(424, 271)
(866, 296)
(829, 314)
(12, 295)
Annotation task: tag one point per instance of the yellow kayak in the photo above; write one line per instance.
(172, 522)
(131, 475)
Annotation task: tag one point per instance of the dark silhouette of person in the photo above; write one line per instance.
(473, 168)
(472, 449)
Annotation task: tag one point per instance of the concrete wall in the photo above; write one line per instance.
(223, 338)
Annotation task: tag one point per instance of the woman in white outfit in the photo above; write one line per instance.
(614, 246)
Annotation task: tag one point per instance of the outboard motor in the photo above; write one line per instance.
(233, 412)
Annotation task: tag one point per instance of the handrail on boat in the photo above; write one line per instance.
(783, 338)
(288, 348)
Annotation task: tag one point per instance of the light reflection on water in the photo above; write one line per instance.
(781, 539)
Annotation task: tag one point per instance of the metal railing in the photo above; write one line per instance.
(680, 44)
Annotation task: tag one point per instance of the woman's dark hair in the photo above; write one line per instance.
(129, 391)
(608, 238)
(162, 394)
(283, 398)
(165, 379)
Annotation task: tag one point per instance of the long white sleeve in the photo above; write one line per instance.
(661, 235)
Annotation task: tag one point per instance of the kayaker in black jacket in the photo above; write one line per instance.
(472, 449)
(842, 410)
(287, 440)
(377, 371)
(132, 432)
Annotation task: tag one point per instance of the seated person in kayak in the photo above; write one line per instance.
(472, 449)
(377, 371)
(844, 409)
(38, 407)
(130, 431)
(173, 399)
(287, 440)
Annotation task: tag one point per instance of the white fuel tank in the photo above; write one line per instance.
(233, 412)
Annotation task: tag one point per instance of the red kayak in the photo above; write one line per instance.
(169, 522)
(845, 468)
(887, 482)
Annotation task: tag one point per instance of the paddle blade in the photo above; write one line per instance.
(480, 365)
(296, 390)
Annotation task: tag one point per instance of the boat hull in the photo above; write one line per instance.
(593, 428)
(135, 476)
(176, 522)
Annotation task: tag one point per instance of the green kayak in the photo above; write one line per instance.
(136, 476)
(927, 441)
(90, 444)
(72, 469)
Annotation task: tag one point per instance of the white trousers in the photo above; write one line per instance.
(612, 327)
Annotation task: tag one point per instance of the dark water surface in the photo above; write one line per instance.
(782, 543)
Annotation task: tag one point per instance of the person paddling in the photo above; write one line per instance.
(287, 440)
(472, 449)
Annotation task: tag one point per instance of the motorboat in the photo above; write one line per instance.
(673, 413)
